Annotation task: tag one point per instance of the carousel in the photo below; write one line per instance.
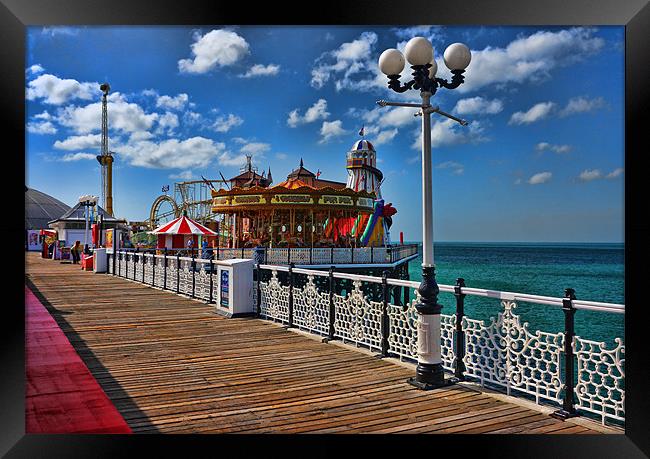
(306, 211)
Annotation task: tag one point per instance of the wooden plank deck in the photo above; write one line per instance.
(170, 364)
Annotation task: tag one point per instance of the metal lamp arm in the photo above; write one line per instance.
(456, 80)
(396, 85)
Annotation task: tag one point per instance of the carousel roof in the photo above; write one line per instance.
(183, 225)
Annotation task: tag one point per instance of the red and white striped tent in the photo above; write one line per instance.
(176, 233)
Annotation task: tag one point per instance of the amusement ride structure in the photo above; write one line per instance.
(105, 158)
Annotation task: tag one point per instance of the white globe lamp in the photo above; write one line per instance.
(457, 56)
(391, 62)
(418, 51)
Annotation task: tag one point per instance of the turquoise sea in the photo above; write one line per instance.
(595, 271)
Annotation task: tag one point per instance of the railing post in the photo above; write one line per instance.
(331, 255)
(119, 267)
(291, 265)
(311, 255)
(193, 274)
(568, 409)
(135, 262)
(165, 271)
(266, 255)
(372, 254)
(126, 265)
(217, 251)
(389, 252)
(153, 270)
(211, 284)
(144, 260)
(178, 272)
(459, 363)
(351, 255)
(385, 323)
(332, 318)
(288, 255)
(242, 252)
(259, 289)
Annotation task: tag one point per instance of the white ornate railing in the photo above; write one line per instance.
(501, 352)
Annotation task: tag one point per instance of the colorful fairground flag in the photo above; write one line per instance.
(361, 131)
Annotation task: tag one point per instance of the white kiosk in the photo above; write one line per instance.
(234, 280)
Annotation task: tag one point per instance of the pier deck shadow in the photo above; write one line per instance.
(170, 364)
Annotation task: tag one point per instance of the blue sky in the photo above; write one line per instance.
(541, 160)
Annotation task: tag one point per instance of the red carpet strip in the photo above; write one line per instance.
(61, 394)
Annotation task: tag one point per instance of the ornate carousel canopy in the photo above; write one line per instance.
(293, 193)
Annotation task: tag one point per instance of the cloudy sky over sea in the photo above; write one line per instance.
(541, 160)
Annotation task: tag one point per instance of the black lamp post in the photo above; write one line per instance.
(419, 53)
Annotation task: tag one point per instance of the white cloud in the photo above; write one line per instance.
(172, 153)
(527, 58)
(167, 122)
(43, 127)
(449, 132)
(595, 174)
(255, 148)
(313, 113)
(261, 70)
(281, 156)
(122, 116)
(36, 68)
(535, 113)
(330, 130)
(226, 123)
(349, 59)
(456, 168)
(184, 175)
(544, 146)
(540, 178)
(56, 91)
(382, 137)
(77, 156)
(217, 48)
(59, 30)
(192, 118)
(615, 173)
(80, 142)
(174, 103)
(582, 105)
(478, 105)
(590, 174)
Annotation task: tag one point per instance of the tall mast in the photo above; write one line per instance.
(106, 158)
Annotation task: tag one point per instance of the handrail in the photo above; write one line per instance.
(496, 294)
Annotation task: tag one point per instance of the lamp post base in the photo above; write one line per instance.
(564, 414)
(430, 376)
(428, 386)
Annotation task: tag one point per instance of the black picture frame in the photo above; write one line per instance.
(15, 15)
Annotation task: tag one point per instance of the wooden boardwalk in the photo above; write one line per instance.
(170, 364)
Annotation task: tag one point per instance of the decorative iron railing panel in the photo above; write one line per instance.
(202, 280)
(185, 276)
(159, 275)
(274, 299)
(600, 388)
(311, 308)
(506, 354)
(358, 319)
(138, 268)
(148, 268)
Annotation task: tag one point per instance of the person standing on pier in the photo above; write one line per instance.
(74, 250)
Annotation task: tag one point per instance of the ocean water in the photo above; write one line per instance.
(595, 271)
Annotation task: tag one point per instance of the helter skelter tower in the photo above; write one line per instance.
(106, 157)
(362, 168)
(363, 175)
